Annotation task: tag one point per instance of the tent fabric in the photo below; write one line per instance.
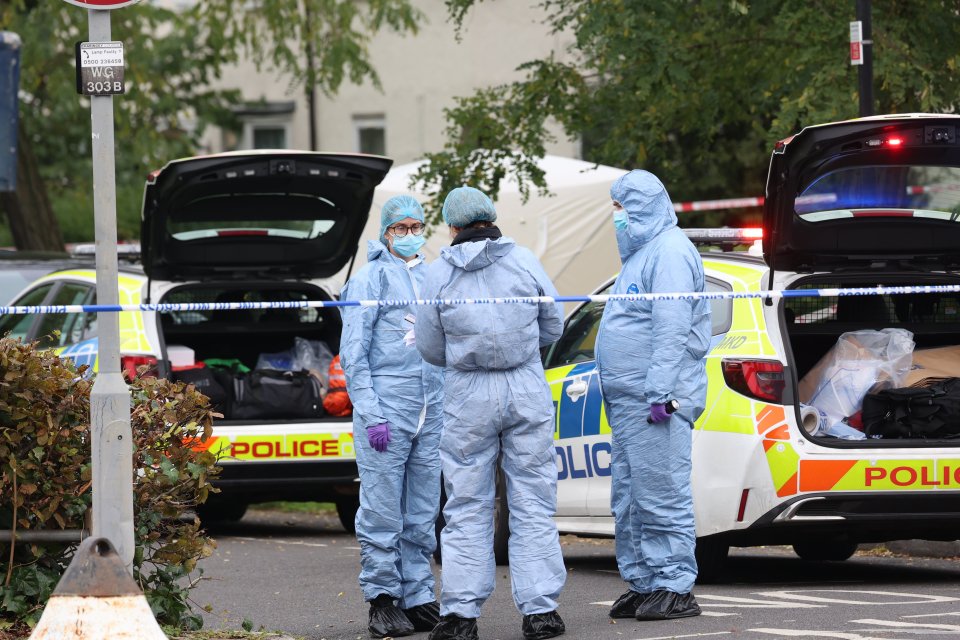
(570, 231)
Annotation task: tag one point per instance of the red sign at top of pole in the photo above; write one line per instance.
(102, 4)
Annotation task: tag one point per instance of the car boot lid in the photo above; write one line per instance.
(265, 213)
(879, 192)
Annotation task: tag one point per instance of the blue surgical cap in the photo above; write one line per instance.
(466, 205)
(396, 209)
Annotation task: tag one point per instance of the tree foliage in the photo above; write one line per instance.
(171, 65)
(315, 43)
(174, 59)
(696, 92)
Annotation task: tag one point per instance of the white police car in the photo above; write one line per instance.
(868, 202)
(235, 227)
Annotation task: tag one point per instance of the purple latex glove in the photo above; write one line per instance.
(658, 413)
(379, 436)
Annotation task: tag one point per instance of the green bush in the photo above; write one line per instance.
(45, 481)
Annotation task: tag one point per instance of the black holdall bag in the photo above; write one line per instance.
(209, 383)
(931, 411)
(265, 394)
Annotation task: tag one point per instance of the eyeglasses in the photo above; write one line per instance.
(400, 230)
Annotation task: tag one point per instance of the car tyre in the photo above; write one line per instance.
(215, 511)
(347, 512)
(825, 550)
(711, 554)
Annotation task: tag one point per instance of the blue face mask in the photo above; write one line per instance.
(620, 219)
(408, 245)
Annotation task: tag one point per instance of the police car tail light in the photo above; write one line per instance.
(759, 379)
(130, 365)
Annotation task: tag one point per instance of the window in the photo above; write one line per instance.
(266, 125)
(891, 191)
(580, 335)
(371, 134)
(269, 137)
(721, 311)
(19, 326)
(70, 325)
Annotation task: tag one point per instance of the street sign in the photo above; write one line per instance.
(856, 42)
(99, 68)
(102, 4)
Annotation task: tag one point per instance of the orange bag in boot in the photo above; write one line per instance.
(337, 402)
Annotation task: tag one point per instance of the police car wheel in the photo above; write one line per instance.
(220, 511)
(825, 550)
(711, 555)
(347, 512)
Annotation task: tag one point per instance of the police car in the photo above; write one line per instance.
(874, 201)
(236, 227)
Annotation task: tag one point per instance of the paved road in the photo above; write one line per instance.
(297, 573)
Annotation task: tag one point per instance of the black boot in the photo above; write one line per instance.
(666, 605)
(452, 627)
(539, 626)
(424, 616)
(626, 605)
(386, 619)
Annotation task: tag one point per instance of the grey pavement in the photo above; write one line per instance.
(296, 573)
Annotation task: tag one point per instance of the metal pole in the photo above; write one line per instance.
(111, 435)
(866, 69)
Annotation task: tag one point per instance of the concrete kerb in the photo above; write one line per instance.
(924, 548)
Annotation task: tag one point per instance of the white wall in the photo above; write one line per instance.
(420, 76)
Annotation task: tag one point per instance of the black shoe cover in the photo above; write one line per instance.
(626, 605)
(386, 619)
(666, 605)
(452, 627)
(424, 616)
(539, 626)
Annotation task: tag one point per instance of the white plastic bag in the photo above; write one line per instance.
(859, 361)
(313, 355)
(310, 355)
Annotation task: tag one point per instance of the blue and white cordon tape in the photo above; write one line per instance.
(618, 297)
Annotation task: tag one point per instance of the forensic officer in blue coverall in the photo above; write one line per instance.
(397, 420)
(650, 356)
(496, 405)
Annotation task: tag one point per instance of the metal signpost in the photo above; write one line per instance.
(100, 76)
(861, 44)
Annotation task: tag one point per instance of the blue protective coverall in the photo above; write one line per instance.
(388, 381)
(650, 353)
(496, 403)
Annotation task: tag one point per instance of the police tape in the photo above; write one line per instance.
(605, 297)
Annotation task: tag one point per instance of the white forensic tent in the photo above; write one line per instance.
(570, 231)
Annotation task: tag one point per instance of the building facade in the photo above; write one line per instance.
(420, 77)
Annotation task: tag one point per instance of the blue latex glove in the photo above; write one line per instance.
(658, 413)
(379, 436)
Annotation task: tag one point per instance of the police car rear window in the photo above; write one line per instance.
(297, 216)
(900, 191)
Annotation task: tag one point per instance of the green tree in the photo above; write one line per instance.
(174, 58)
(171, 64)
(696, 92)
